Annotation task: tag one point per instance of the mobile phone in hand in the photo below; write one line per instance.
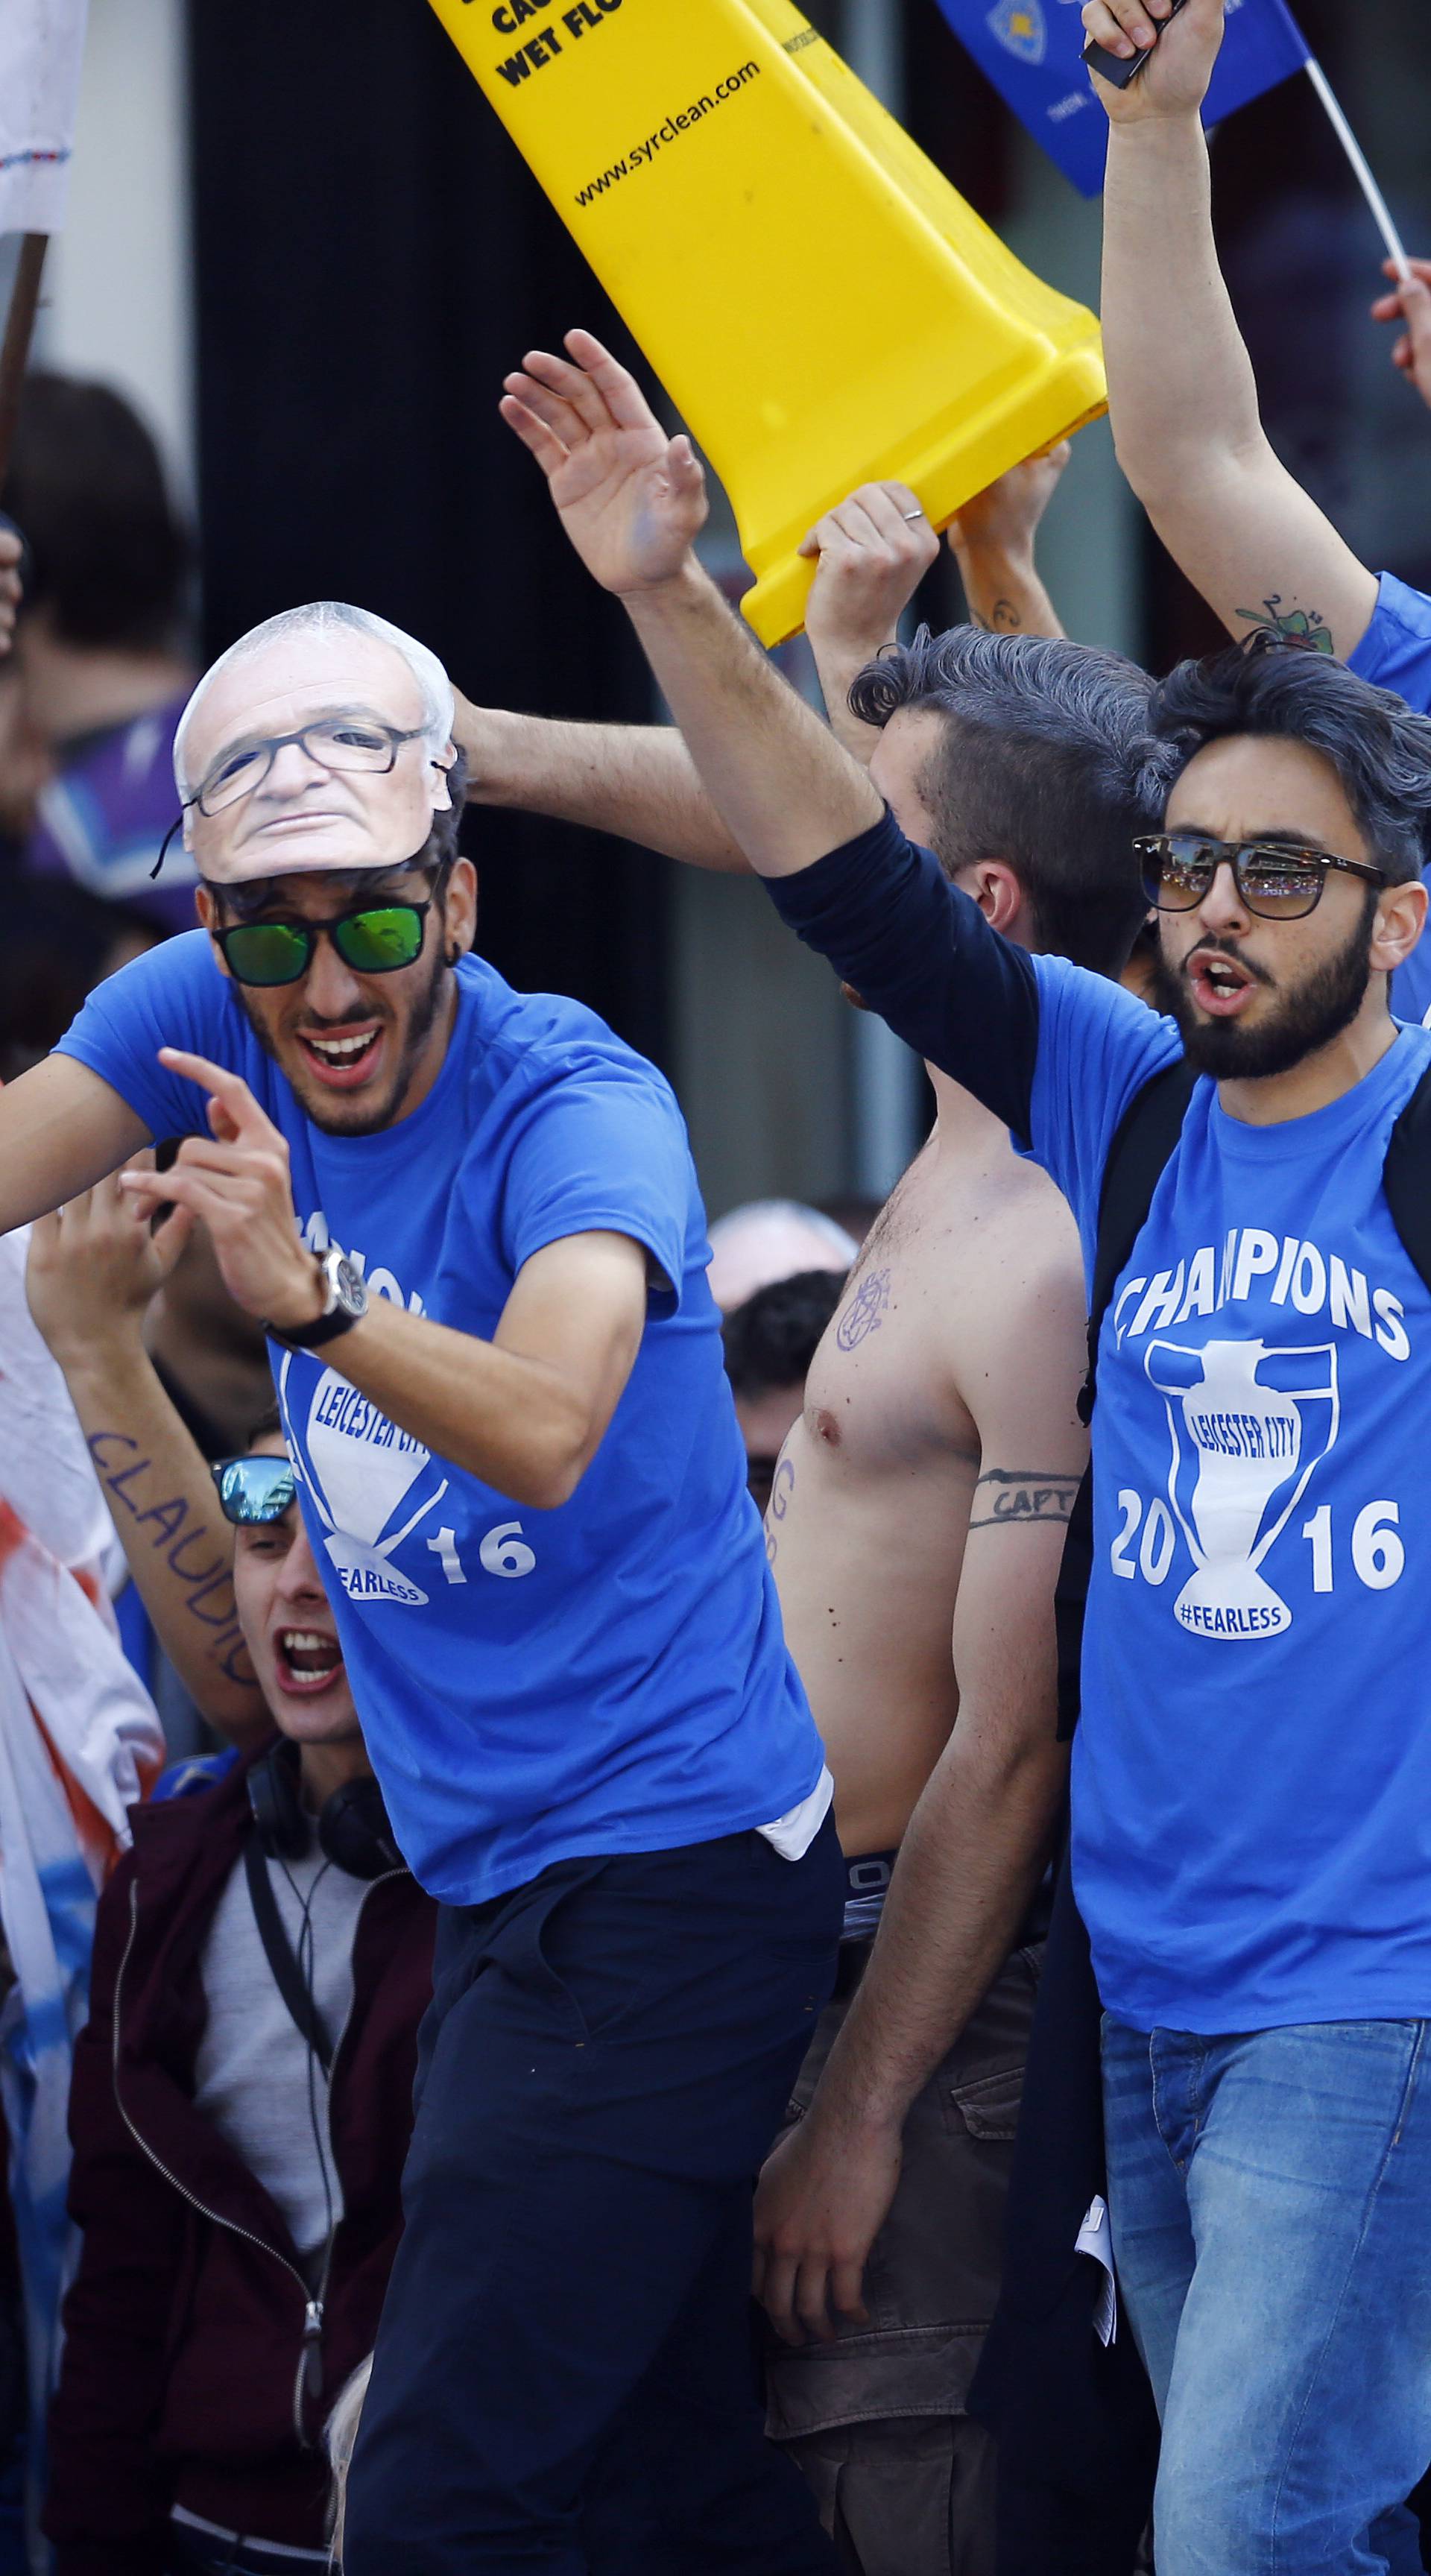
(1120, 69)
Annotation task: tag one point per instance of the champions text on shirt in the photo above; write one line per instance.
(1252, 1775)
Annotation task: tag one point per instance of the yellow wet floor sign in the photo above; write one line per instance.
(820, 304)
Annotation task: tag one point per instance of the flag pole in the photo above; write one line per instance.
(19, 329)
(1374, 198)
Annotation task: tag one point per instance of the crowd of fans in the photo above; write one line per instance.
(246, 1916)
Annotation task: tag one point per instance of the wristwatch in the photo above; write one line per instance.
(346, 1298)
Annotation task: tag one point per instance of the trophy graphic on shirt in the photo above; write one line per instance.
(359, 1469)
(1250, 1425)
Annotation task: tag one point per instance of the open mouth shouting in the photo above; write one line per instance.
(343, 1059)
(1221, 985)
(308, 1662)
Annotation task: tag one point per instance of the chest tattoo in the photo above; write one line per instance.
(865, 1312)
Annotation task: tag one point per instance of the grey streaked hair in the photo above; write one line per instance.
(324, 617)
(1047, 762)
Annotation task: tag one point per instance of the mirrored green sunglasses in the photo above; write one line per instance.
(253, 1490)
(374, 939)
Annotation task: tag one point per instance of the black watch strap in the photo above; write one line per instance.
(309, 1337)
(347, 1301)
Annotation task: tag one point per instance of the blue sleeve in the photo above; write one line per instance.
(601, 1149)
(1097, 1047)
(1395, 651)
(1054, 1051)
(174, 996)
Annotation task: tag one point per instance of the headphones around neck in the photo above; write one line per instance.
(352, 1826)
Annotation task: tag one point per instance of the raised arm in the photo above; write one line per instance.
(1182, 393)
(94, 1269)
(914, 947)
(638, 781)
(983, 1829)
(61, 1129)
(872, 553)
(632, 501)
(992, 542)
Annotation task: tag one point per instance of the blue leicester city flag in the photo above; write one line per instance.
(1032, 51)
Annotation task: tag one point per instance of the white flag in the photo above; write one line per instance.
(41, 45)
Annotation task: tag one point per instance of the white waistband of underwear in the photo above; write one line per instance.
(793, 1833)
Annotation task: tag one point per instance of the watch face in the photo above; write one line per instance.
(349, 1289)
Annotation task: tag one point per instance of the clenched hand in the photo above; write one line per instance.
(1175, 82)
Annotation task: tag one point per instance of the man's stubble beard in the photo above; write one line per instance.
(1310, 1015)
(370, 1121)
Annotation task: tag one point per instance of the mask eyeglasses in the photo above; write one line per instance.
(254, 1491)
(342, 743)
(374, 939)
(1276, 880)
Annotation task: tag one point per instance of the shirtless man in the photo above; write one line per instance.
(923, 1496)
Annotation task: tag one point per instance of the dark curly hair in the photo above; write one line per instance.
(1380, 751)
(110, 555)
(771, 1339)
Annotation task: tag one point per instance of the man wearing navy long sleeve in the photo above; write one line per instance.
(1252, 1777)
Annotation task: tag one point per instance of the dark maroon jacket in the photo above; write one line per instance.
(185, 2325)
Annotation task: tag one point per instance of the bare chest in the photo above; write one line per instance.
(883, 1390)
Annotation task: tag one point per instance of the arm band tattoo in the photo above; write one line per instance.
(1005, 1496)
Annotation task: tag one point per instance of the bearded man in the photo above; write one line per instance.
(469, 1221)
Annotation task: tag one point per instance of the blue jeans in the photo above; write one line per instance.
(1270, 2197)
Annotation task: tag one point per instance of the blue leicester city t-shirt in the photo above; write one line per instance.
(609, 1676)
(1252, 1774)
(1395, 653)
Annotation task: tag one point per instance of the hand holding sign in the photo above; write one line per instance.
(821, 307)
(631, 499)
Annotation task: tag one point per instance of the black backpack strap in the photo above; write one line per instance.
(1143, 1145)
(1406, 1176)
(278, 1950)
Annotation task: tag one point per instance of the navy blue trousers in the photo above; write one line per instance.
(564, 2376)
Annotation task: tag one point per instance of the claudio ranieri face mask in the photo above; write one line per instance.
(320, 741)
